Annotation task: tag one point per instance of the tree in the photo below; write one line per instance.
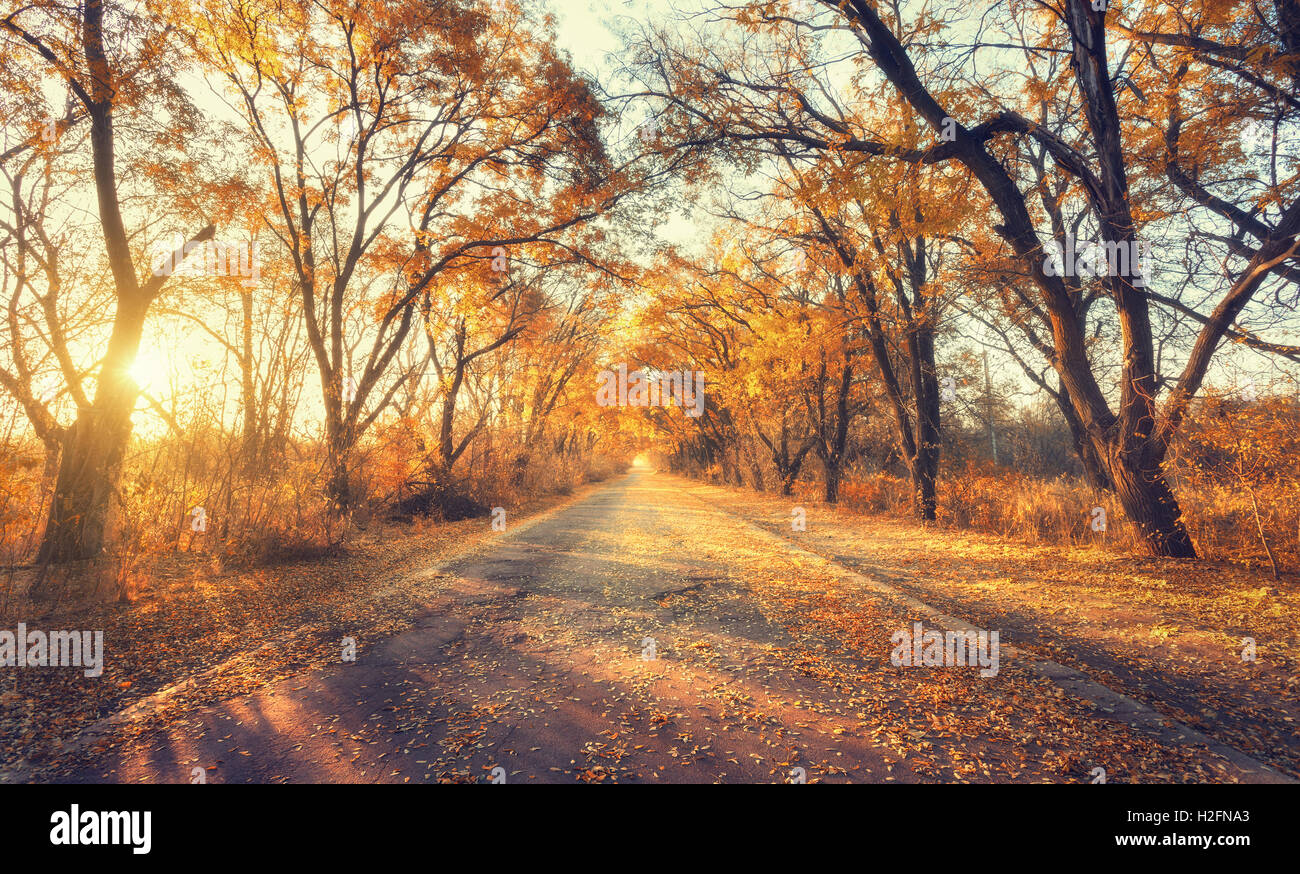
(875, 230)
(73, 47)
(409, 146)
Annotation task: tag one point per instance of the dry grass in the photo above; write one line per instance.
(275, 514)
(1001, 501)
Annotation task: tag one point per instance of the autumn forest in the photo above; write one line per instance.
(670, 367)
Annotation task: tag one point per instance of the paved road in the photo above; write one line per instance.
(533, 663)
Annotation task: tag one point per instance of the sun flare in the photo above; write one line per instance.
(151, 370)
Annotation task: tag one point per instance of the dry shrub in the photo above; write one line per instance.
(264, 506)
(1237, 463)
(546, 473)
(23, 490)
(877, 493)
(1219, 516)
(1004, 501)
(269, 511)
(983, 497)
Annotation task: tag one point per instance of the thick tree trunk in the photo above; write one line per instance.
(832, 455)
(755, 469)
(338, 483)
(719, 461)
(92, 451)
(94, 446)
(79, 510)
(1093, 468)
(1145, 495)
(833, 473)
(446, 422)
(924, 480)
(925, 467)
(50, 473)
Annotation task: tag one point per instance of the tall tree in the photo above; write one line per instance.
(72, 44)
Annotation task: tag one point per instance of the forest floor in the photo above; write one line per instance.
(657, 629)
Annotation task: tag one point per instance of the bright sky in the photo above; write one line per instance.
(589, 31)
(584, 31)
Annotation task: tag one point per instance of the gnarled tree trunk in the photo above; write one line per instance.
(1147, 499)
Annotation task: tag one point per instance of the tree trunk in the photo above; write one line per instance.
(338, 485)
(50, 473)
(925, 381)
(1093, 469)
(253, 460)
(520, 471)
(1145, 495)
(1141, 487)
(755, 469)
(94, 446)
(924, 478)
(832, 480)
(787, 465)
(93, 449)
(724, 459)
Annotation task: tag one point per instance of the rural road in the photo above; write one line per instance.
(531, 664)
